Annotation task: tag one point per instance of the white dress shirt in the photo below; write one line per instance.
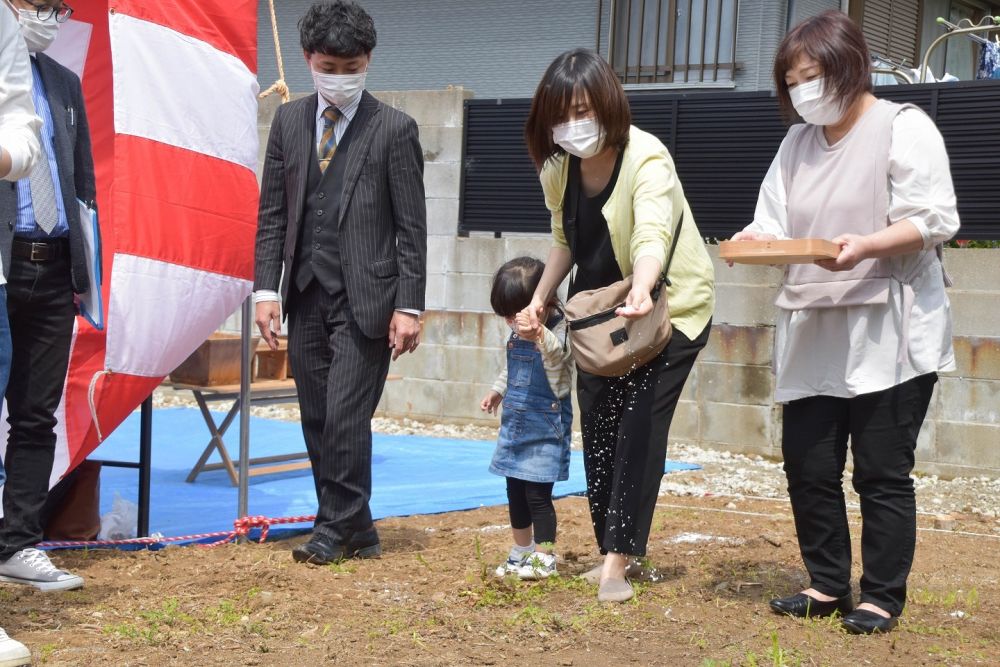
(844, 352)
(347, 113)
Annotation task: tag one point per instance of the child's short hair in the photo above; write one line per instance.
(514, 285)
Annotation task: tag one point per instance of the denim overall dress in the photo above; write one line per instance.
(535, 427)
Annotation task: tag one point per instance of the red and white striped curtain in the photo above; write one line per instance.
(171, 96)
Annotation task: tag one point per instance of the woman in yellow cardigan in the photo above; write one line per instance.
(628, 207)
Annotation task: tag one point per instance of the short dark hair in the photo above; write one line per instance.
(837, 44)
(341, 28)
(583, 70)
(514, 285)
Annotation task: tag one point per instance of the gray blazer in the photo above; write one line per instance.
(75, 162)
(383, 217)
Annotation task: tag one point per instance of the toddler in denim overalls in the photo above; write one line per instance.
(535, 424)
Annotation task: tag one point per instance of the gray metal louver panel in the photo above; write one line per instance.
(722, 144)
(500, 190)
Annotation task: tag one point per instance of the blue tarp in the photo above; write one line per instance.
(410, 474)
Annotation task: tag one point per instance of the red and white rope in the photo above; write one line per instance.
(241, 528)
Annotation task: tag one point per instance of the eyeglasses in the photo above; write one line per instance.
(45, 12)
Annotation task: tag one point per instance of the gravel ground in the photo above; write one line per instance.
(722, 474)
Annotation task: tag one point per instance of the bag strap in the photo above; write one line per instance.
(673, 246)
(565, 321)
(571, 200)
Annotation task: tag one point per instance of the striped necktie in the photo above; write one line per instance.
(43, 193)
(328, 142)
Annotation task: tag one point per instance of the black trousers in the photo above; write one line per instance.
(883, 428)
(339, 374)
(625, 423)
(41, 310)
(530, 506)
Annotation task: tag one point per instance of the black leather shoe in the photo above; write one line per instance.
(864, 622)
(322, 550)
(319, 550)
(363, 549)
(801, 605)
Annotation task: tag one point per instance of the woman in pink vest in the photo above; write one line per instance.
(858, 339)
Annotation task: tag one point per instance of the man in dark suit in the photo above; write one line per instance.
(44, 261)
(342, 216)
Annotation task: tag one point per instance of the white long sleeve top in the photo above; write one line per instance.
(844, 352)
(18, 123)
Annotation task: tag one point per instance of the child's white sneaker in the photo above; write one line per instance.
(512, 566)
(538, 566)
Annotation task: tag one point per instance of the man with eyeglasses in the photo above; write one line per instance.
(44, 258)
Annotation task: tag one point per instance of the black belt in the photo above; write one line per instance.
(40, 251)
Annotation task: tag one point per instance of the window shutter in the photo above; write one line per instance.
(875, 24)
(892, 28)
(904, 34)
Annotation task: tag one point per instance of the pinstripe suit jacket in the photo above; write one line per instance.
(383, 217)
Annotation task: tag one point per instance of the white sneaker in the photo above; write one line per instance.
(538, 566)
(12, 652)
(32, 567)
(511, 566)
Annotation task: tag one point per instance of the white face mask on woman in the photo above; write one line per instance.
(812, 102)
(38, 35)
(339, 89)
(582, 138)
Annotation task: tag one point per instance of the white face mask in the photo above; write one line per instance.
(38, 35)
(812, 102)
(582, 138)
(339, 89)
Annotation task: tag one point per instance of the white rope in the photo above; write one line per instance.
(90, 401)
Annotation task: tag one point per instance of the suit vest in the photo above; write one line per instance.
(317, 254)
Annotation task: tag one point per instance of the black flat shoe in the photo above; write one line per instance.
(864, 622)
(801, 605)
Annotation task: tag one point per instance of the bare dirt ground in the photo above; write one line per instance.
(722, 545)
(432, 600)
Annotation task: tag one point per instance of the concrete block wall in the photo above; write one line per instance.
(727, 403)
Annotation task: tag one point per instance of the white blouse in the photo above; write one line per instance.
(844, 352)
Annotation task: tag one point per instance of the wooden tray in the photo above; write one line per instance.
(791, 251)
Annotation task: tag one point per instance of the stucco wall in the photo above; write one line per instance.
(501, 49)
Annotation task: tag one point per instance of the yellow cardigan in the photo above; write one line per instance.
(641, 220)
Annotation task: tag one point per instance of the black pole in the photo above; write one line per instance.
(145, 450)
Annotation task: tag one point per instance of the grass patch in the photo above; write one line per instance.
(342, 566)
(45, 652)
(954, 599)
(169, 614)
(535, 615)
(133, 632)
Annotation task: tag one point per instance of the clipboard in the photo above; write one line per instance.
(91, 303)
(778, 251)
